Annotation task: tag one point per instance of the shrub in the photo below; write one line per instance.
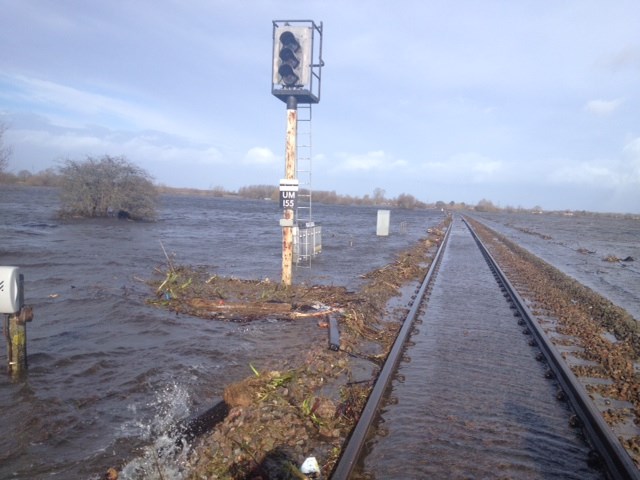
(106, 186)
(5, 152)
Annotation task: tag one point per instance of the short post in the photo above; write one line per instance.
(16, 318)
(16, 329)
(382, 227)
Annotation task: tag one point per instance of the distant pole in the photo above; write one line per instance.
(289, 174)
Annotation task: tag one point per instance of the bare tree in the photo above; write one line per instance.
(5, 152)
(405, 200)
(106, 186)
(485, 205)
(378, 196)
(259, 191)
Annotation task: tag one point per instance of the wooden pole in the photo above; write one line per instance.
(289, 174)
(16, 331)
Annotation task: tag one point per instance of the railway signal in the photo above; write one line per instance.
(297, 60)
(295, 78)
(292, 58)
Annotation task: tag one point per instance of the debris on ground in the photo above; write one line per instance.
(280, 418)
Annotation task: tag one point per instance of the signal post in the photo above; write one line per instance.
(296, 68)
(287, 192)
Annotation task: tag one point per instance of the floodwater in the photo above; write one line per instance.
(469, 400)
(577, 246)
(108, 374)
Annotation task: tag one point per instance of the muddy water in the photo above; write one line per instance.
(578, 245)
(469, 399)
(107, 373)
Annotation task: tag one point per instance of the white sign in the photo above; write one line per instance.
(288, 199)
(289, 185)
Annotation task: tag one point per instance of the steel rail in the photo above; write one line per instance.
(358, 437)
(618, 462)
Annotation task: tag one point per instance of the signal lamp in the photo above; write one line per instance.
(297, 60)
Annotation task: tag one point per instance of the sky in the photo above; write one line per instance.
(523, 103)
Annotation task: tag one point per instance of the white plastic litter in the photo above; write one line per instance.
(310, 466)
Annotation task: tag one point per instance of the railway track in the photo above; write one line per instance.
(462, 396)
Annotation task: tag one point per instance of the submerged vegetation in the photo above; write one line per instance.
(104, 187)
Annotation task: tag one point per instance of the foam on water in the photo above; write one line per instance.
(165, 453)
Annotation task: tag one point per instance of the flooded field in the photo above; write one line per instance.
(582, 246)
(108, 374)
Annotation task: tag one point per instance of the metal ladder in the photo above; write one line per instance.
(304, 212)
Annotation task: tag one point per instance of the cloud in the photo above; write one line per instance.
(71, 142)
(623, 172)
(632, 149)
(631, 158)
(62, 103)
(159, 154)
(370, 161)
(468, 167)
(156, 152)
(602, 107)
(627, 57)
(583, 173)
(261, 156)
